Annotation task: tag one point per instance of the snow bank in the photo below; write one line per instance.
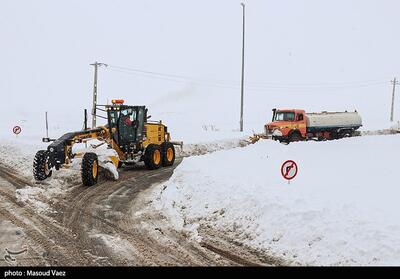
(341, 209)
(33, 196)
(120, 246)
(396, 126)
(18, 156)
(212, 146)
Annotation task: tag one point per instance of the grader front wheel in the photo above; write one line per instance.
(90, 169)
(41, 169)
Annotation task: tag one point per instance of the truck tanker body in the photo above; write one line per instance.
(295, 124)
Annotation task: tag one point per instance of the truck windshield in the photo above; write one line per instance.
(284, 116)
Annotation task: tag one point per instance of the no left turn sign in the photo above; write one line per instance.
(289, 170)
(17, 130)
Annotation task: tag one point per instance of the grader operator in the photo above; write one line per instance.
(127, 131)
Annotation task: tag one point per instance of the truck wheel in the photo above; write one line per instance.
(153, 157)
(345, 134)
(41, 169)
(295, 136)
(90, 169)
(168, 154)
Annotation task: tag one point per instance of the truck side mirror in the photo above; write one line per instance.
(148, 117)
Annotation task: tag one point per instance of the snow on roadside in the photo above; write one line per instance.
(41, 195)
(50, 190)
(396, 126)
(18, 156)
(119, 246)
(342, 209)
(33, 196)
(202, 148)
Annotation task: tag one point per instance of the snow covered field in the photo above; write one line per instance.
(341, 209)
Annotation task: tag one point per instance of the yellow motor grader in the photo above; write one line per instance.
(128, 132)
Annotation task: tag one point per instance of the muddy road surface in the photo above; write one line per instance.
(105, 225)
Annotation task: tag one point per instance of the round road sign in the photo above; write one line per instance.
(17, 130)
(289, 169)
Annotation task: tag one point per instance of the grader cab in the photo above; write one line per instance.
(129, 136)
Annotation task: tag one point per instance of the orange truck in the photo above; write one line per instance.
(290, 125)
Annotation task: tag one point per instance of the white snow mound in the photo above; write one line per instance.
(341, 209)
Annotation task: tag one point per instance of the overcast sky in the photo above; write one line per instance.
(317, 51)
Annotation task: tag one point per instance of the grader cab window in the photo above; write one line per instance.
(113, 115)
(127, 124)
(140, 123)
(127, 130)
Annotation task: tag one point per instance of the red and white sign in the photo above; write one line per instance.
(17, 130)
(289, 169)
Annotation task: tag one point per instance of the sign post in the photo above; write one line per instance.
(289, 170)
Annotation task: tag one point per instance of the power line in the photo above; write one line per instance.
(151, 73)
(252, 86)
(312, 85)
(319, 87)
(207, 83)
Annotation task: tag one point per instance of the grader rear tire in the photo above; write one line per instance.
(90, 169)
(41, 169)
(153, 157)
(168, 154)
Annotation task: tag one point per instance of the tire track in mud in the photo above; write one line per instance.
(86, 211)
(10, 176)
(56, 243)
(87, 217)
(228, 255)
(107, 208)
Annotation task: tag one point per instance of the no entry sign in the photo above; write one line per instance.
(17, 130)
(289, 169)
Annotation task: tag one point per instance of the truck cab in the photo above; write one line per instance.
(287, 125)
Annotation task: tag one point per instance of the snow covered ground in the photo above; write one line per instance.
(326, 216)
(341, 209)
(17, 153)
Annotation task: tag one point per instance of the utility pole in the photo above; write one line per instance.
(96, 65)
(394, 82)
(47, 126)
(242, 83)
